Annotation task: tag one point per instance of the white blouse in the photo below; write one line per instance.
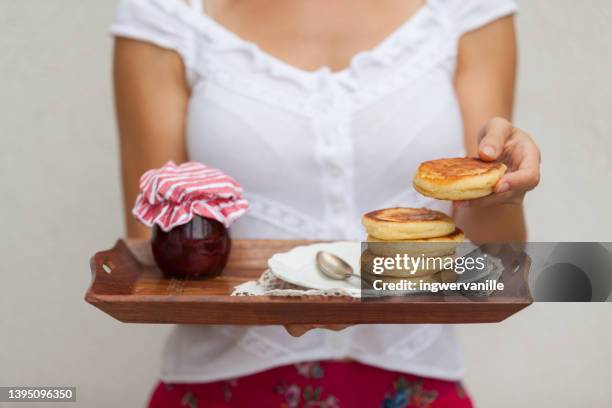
(314, 151)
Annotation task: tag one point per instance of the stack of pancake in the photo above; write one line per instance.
(421, 232)
(415, 232)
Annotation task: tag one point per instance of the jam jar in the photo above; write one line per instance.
(190, 208)
(199, 248)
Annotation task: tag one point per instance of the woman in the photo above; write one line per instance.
(322, 110)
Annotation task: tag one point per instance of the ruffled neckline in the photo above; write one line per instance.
(406, 36)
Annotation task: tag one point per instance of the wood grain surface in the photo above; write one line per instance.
(127, 285)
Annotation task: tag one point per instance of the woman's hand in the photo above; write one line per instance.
(498, 140)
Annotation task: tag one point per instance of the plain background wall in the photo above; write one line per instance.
(61, 203)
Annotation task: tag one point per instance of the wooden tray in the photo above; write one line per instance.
(128, 286)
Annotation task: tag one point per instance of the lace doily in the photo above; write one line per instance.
(270, 285)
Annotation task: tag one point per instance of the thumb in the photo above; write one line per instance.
(493, 137)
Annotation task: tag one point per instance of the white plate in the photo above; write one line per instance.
(299, 268)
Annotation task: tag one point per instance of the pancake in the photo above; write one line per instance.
(407, 223)
(438, 246)
(460, 178)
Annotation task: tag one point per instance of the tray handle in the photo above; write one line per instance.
(114, 271)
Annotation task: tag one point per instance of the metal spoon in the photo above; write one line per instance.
(334, 267)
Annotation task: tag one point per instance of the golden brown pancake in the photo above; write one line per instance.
(407, 223)
(438, 246)
(456, 236)
(460, 178)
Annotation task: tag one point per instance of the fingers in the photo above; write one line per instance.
(529, 151)
(510, 189)
(527, 175)
(520, 180)
(298, 330)
(492, 138)
(500, 140)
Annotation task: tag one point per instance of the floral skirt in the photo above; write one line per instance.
(324, 384)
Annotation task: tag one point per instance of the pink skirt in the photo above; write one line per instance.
(321, 384)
